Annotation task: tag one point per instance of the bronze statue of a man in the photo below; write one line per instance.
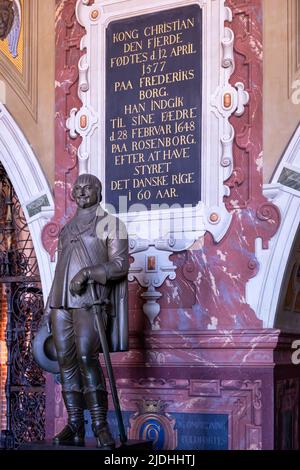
(6, 17)
(93, 246)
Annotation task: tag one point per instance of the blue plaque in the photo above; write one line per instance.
(154, 109)
(202, 431)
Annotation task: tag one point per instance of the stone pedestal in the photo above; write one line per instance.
(89, 446)
(211, 390)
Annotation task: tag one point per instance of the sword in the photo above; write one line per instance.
(96, 308)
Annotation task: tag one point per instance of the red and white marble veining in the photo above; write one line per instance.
(67, 47)
(209, 291)
(210, 353)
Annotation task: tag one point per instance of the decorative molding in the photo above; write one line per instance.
(25, 83)
(217, 89)
(30, 184)
(266, 292)
(68, 36)
(151, 267)
(240, 400)
(247, 147)
(220, 102)
(241, 348)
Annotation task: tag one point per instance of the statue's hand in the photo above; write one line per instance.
(97, 274)
(79, 282)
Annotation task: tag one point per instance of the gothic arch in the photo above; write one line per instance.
(31, 186)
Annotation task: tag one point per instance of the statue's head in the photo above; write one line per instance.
(87, 191)
(6, 17)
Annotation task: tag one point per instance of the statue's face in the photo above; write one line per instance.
(85, 194)
(6, 17)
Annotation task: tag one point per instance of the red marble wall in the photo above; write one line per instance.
(68, 35)
(210, 353)
(211, 279)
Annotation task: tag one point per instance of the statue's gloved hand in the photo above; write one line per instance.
(79, 282)
(97, 274)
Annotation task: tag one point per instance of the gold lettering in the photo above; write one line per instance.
(185, 49)
(118, 148)
(183, 178)
(166, 193)
(176, 153)
(118, 185)
(142, 119)
(167, 78)
(186, 113)
(134, 108)
(160, 41)
(124, 60)
(167, 27)
(117, 123)
(152, 168)
(134, 46)
(122, 86)
(163, 142)
(152, 181)
(125, 35)
(141, 132)
(153, 93)
(130, 158)
(176, 102)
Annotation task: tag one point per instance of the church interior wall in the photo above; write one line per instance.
(28, 84)
(209, 360)
(281, 79)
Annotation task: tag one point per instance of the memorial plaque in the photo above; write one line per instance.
(202, 431)
(154, 109)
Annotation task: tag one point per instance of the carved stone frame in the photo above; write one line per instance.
(147, 230)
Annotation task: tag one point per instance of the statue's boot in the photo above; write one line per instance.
(73, 433)
(97, 404)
